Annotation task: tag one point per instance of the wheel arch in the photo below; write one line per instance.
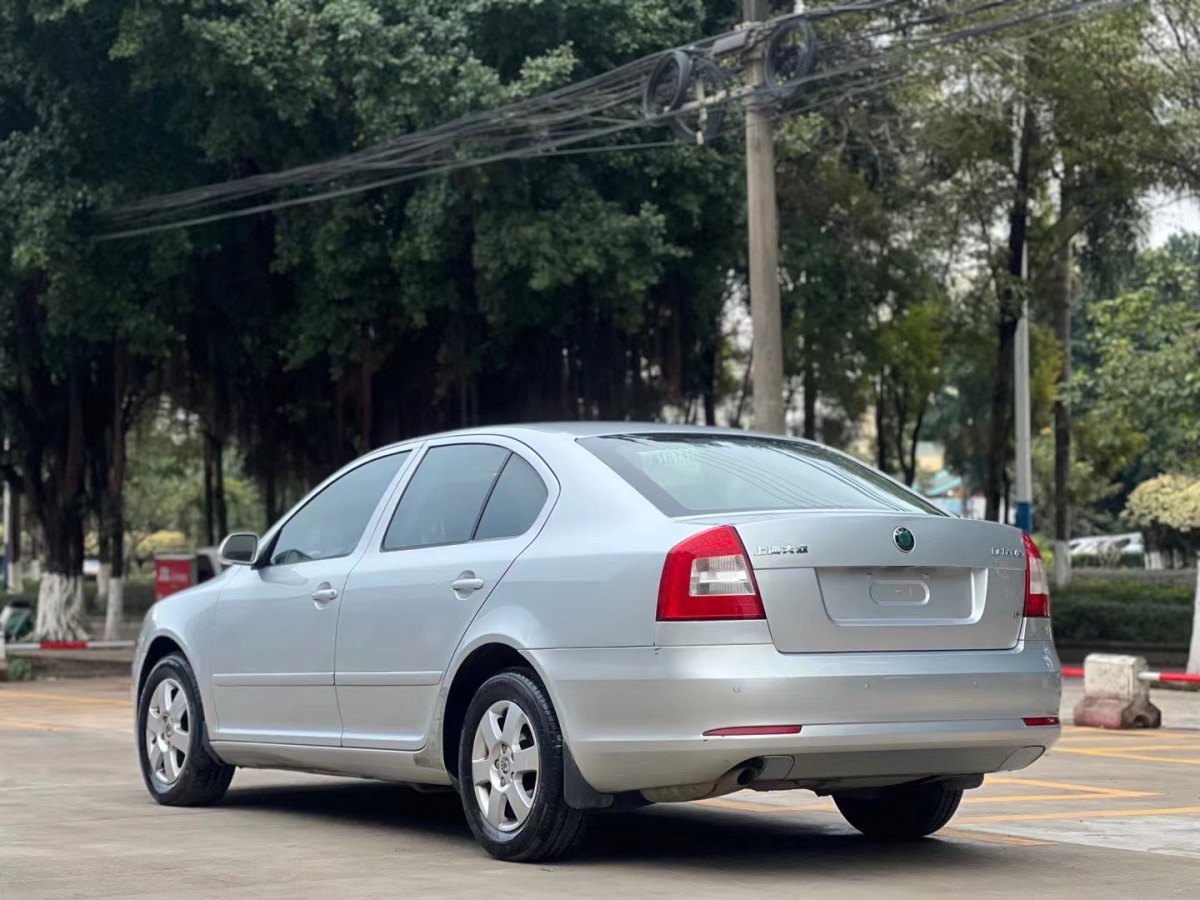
(161, 646)
(477, 667)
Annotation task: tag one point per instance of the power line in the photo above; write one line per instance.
(578, 117)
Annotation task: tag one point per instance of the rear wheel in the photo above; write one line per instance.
(901, 813)
(510, 772)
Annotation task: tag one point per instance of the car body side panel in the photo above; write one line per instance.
(186, 618)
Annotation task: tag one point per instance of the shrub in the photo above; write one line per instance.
(1138, 610)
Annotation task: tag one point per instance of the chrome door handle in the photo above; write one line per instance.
(326, 593)
(465, 583)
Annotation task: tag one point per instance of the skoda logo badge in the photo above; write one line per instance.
(904, 540)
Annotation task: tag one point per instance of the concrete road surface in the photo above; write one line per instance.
(1106, 815)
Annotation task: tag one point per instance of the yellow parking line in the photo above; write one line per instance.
(63, 698)
(953, 832)
(1116, 735)
(1134, 748)
(1045, 798)
(751, 806)
(986, 838)
(1077, 814)
(55, 726)
(1136, 757)
(1057, 785)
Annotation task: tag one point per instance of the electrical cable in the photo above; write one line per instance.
(571, 119)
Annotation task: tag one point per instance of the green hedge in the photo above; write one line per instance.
(1148, 612)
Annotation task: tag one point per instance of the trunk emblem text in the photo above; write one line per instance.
(1005, 551)
(780, 549)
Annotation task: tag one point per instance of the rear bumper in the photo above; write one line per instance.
(635, 718)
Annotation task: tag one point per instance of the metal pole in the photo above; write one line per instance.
(1024, 447)
(767, 337)
(1024, 460)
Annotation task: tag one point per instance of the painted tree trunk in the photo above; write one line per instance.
(103, 581)
(60, 608)
(1193, 665)
(115, 610)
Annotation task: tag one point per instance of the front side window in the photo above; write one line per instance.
(332, 522)
(686, 474)
(443, 500)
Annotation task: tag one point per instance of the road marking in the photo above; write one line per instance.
(984, 837)
(828, 807)
(1057, 785)
(1133, 748)
(65, 698)
(1136, 757)
(32, 726)
(1046, 798)
(55, 726)
(1077, 814)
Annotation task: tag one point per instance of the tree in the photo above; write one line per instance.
(1169, 508)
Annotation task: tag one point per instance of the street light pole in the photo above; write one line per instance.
(766, 319)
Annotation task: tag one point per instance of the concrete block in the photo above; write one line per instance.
(1113, 694)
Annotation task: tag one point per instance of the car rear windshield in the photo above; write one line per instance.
(684, 474)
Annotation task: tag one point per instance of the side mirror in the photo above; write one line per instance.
(239, 549)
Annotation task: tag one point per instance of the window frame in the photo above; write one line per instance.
(514, 448)
(271, 538)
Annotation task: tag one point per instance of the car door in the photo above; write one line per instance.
(276, 622)
(466, 512)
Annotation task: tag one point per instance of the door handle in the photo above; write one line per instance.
(326, 593)
(466, 583)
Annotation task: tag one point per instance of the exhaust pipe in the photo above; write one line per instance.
(734, 780)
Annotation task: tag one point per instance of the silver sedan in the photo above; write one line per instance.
(556, 620)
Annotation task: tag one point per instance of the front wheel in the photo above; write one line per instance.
(904, 812)
(177, 766)
(510, 772)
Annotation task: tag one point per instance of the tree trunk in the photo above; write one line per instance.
(210, 536)
(1193, 665)
(1062, 420)
(1009, 312)
(810, 388)
(60, 595)
(216, 450)
(115, 496)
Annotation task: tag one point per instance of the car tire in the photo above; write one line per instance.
(905, 812)
(177, 765)
(510, 772)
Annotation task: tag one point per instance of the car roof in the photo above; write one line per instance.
(572, 430)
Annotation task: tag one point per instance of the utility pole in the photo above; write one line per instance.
(1024, 450)
(766, 319)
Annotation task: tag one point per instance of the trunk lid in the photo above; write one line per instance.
(836, 582)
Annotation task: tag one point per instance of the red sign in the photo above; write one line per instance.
(172, 573)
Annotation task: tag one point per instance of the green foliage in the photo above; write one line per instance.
(1135, 609)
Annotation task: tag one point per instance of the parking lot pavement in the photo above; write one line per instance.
(1104, 815)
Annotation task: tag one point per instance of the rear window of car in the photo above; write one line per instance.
(684, 474)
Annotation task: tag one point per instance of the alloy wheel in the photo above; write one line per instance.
(504, 766)
(168, 731)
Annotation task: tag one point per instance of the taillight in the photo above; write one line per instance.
(708, 576)
(1037, 586)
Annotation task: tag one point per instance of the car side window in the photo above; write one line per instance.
(516, 500)
(443, 500)
(331, 523)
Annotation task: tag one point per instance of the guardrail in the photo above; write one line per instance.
(1180, 679)
(70, 645)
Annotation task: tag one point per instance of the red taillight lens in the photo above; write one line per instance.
(1037, 586)
(707, 577)
(1039, 721)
